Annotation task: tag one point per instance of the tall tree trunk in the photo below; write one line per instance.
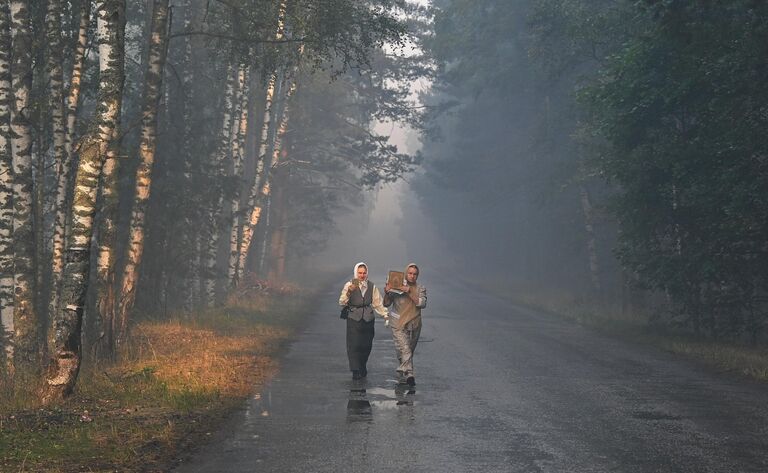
(586, 207)
(56, 105)
(26, 321)
(261, 189)
(237, 260)
(75, 81)
(238, 155)
(67, 357)
(107, 244)
(153, 86)
(265, 233)
(6, 190)
(235, 80)
(190, 235)
(280, 210)
(104, 321)
(64, 181)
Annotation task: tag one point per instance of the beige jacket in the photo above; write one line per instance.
(406, 307)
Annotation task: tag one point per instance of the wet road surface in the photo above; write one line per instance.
(499, 388)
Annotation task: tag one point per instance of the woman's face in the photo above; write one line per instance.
(362, 273)
(411, 275)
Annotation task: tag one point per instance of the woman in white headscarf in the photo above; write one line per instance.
(363, 299)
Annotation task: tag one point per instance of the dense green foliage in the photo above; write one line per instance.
(656, 109)
(682, 107)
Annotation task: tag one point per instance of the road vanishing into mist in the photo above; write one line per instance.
(499, 388)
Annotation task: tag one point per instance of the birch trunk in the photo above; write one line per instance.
(277, 247)
(67, 357)
(6, 190)
(153, 85)
(26, 323)
(238, 154)
(260, 190)
(104, 321)
(64, 181)
(264, 236)
(586, 207)
(235, 80)
(56, 105)
(245, 231)
(190, 289)
(73, 99)
(237, 261)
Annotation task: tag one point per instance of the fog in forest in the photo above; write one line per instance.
(587, 156)
(379, 234)
(161, 158)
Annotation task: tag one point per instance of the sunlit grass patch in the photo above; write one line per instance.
(176, 379)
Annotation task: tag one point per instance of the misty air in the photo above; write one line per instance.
(383, 236)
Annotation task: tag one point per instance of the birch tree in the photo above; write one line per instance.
(6, 187)
(105, 260)
(241, 229)
(64, 181)
(235, 80)
(245, 233)
(238, 152)
(153, 85)
(261, 188)
(93, 150)
(190, 239)
(26, 322)
(56, 107)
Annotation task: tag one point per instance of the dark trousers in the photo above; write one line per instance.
(359, 343)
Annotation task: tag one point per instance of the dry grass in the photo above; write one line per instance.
(196, 359)
(176, 382)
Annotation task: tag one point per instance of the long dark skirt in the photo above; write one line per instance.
(359, 343)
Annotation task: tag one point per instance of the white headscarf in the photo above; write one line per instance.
(354, 273)
(364, 282)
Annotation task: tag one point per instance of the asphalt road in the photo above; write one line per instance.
(499, 389)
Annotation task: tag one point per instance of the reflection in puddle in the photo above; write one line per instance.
(363, 402)
(359, 407)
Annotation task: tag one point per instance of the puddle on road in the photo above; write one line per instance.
(362, 403)
(359, 408)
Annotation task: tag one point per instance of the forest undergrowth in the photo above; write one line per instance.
(176, 382)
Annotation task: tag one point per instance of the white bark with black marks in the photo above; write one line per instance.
(64, 181)
(26, 322)
(153, 85)
(238, 156)
(6, 187)
(235, 79)
(67, 355)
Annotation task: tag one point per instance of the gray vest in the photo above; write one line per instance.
(359, 306)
